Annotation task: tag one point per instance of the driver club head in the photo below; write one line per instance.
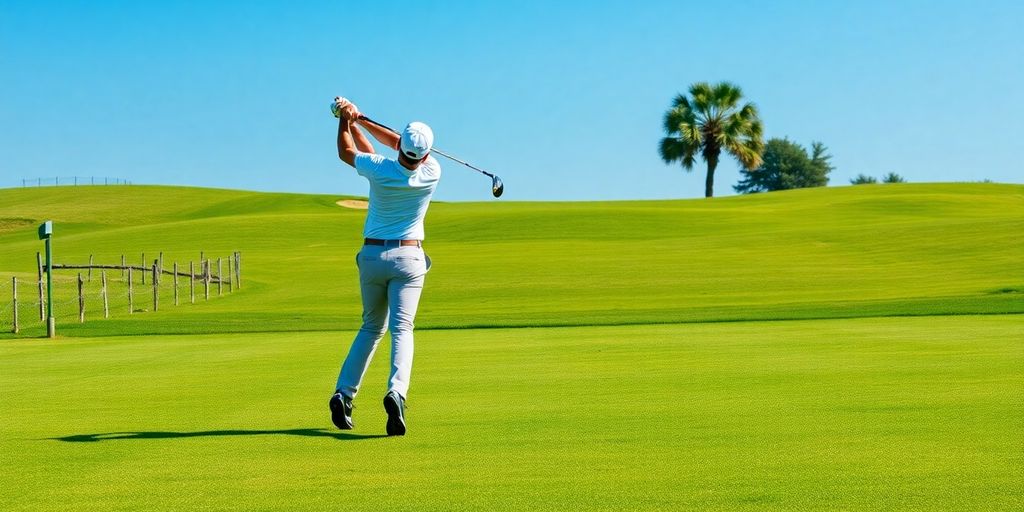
(497, 187)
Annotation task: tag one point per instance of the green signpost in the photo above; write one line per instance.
(46, 234)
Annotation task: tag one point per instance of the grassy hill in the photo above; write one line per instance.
(896, 384)
(913, 249)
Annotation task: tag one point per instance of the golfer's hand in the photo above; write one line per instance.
(350, 112)
(346, 109)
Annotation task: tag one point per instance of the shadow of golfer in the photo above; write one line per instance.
(303, 432)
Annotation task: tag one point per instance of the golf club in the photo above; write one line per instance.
(497, 187)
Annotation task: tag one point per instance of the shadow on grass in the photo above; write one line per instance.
(303, 432)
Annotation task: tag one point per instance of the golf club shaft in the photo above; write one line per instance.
(435, 150)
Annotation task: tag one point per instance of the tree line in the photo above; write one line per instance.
(713, 119)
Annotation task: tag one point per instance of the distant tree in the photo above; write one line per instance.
(786, 165)
(708, 121)
(863, 179)
(893, 178)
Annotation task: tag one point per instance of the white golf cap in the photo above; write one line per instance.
(417, 139)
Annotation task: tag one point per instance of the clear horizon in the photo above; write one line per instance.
(563, 101)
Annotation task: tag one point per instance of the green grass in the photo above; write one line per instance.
(857, 414)
(827, 253)
(596, 356)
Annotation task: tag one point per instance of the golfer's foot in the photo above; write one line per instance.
(341, 411)
(394, 404)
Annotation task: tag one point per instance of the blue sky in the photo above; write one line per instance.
(563, 100)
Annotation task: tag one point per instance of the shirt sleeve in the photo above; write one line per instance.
(368, 164)
(432, 168)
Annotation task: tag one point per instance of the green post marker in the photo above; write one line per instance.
(46, 233)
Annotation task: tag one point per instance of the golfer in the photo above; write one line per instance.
(392, 264)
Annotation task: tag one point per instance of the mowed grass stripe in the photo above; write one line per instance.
(861, 414)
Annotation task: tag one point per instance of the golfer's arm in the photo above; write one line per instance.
(362, 143)
(386, 137)
(346, 144)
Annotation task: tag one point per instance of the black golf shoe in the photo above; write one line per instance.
(341, 411)
(394, 405)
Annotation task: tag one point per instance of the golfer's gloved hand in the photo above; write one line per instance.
(345, 109)
(339, 106)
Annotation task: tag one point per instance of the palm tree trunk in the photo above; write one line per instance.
(709, 181)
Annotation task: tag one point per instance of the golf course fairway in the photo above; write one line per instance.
(847, 348)
(860, 414)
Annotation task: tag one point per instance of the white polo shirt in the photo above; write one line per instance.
(398, 197)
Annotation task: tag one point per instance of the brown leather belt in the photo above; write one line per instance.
(402, 243)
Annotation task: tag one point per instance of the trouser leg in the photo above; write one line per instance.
(375, 320)
(403, 299)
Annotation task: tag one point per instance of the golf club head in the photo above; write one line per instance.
(497, 187)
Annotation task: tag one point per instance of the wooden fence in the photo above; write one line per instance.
(210, 278)
(73, 180)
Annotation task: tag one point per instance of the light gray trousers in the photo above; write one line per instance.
(391, 279)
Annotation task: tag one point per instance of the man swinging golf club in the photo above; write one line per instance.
(392, 264)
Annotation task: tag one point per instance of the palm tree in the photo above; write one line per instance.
(709, 121)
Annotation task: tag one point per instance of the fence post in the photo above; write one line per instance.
(15, 328)
(103, 292)
(90, 268)
(131, 297)
(238, 270)
(175, 283)
(42, 302)
(220, 277)
(143, 266)
(81, 300)
(156, 285)
(231, 275)
(191, 283)
(206, 278)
